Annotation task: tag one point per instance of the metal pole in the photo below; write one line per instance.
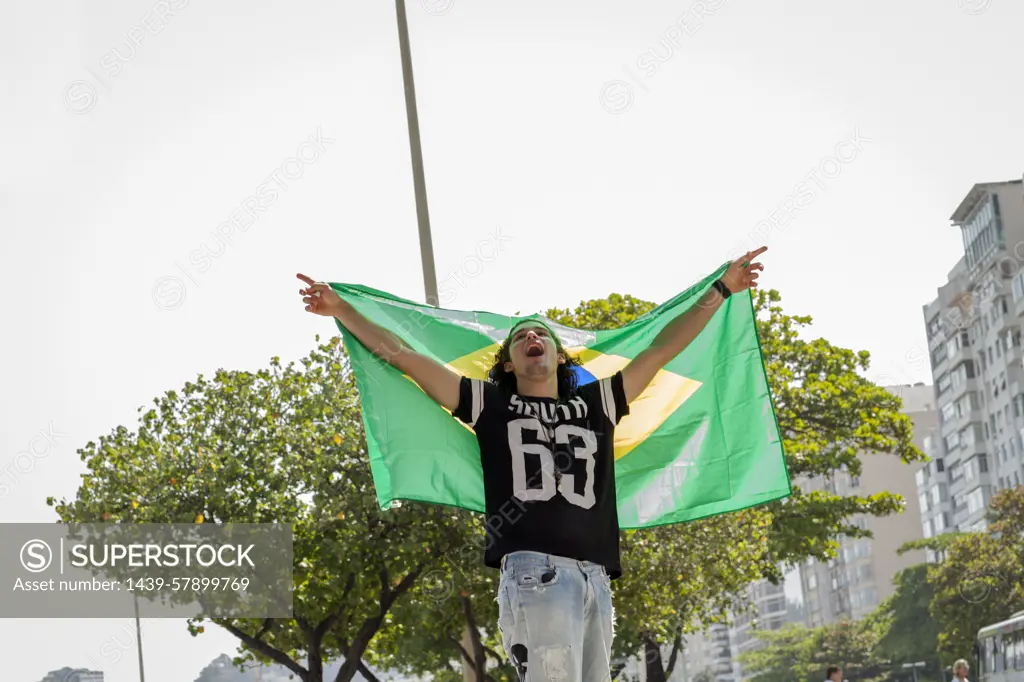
(138, 639)
(419, 183)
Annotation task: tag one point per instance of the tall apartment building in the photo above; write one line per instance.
(974, 346)
(859, 578)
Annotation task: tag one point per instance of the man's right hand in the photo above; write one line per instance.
(320, 298)
(439, 382)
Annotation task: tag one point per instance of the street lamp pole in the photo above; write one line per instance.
(419, 181)
(138, 638)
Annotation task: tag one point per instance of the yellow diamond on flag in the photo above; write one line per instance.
(477, 364)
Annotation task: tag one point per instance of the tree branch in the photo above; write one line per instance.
(479, 659)
(676, 643)
(267, 624)
(326, 624)
(462, 649)
(370, 626)
(364, 670)
(268, 651)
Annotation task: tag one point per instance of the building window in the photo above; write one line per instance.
(939, 465)
(919, 477)
(975, 501)
(1018, 292)
(955, 472)
(982, 463)
(952, 442)
(944, 383)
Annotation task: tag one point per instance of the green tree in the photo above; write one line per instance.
(852, 645)
(285, 445)
(797, 652)
(785, 655)
(981, 580)
(908, 633)
(829, 416)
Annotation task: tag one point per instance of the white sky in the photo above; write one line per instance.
(97, 206)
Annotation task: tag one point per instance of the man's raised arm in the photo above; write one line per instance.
(439, 382)
(680, 332)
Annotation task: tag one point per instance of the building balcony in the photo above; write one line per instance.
(956, 392)
(1013, 356)
(961, 355)
(1018, 307)
(959, 423)
(1002, 322)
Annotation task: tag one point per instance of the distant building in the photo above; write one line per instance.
(73, 675)
(974, 344)
(859, 578)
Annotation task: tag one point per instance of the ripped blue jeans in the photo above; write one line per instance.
(556, 619)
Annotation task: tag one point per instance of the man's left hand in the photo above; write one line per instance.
(743, 272)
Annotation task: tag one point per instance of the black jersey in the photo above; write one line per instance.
(554, 460)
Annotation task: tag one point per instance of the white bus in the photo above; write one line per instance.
(1000, 651)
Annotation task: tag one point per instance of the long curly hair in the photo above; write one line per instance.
(506, 381)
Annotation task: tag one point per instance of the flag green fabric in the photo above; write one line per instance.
(701, 440)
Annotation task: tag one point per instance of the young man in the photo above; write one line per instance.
(550, 445)
(834, 674)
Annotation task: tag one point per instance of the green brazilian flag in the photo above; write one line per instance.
(702, 439)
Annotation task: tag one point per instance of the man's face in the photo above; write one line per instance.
(837, 676)
(533, 352)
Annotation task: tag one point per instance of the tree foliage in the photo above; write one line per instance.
(799, 653)
(281, 445)
(908, 632)
(981, 580)
(829, 416)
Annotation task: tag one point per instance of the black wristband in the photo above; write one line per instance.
(722, 289)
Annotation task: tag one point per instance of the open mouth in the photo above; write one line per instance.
(534, 349)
